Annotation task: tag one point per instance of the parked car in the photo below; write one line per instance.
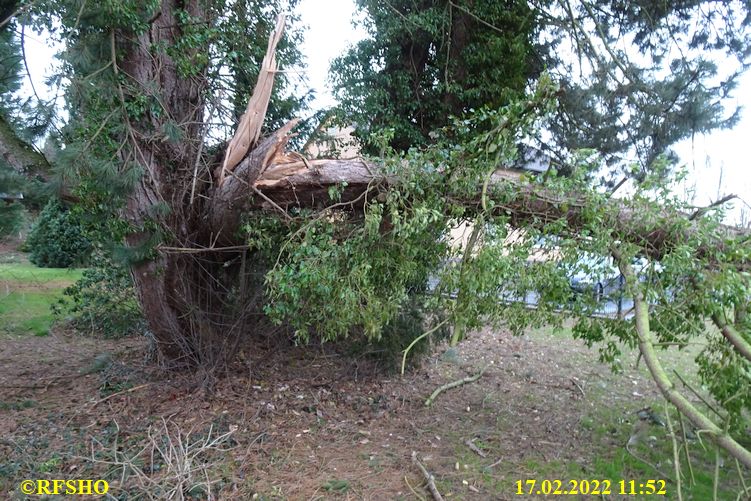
(594, 275)
(600, 277)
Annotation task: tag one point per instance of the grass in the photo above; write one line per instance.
(651, 458)
(609, 460)
(650, 455)
(609, 425)
(27, 294)
(30, 275)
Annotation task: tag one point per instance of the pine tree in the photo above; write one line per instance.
(635, 77)
(20, 163)
(424, 61)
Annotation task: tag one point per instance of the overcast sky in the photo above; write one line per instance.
(719, 162)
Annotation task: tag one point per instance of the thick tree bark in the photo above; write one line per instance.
(166, 165)
(305, 184)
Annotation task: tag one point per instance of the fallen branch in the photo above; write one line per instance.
(418, 496)
(578, 387)
(129, 390)
(733, 336)
(666, 386)
(703, 210)
(428, 478)
(294, 184)
(453, 384)
(471, 444)
(676, 454)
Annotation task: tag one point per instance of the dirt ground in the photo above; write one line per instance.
(307, 423)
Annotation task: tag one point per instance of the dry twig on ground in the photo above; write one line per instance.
(428, 478)
(471, 444)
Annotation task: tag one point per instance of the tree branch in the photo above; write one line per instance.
(703, 210)
(733, 336)
(667, 388)
(429, 479)
(469, 379)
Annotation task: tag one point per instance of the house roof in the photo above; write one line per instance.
(532, 159)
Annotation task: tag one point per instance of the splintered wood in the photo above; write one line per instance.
(249, 129)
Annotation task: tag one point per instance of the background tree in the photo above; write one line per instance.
(20, 163)
(635, 77)
(424, 61)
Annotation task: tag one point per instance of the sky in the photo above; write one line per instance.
(331, 32)
(718, 163)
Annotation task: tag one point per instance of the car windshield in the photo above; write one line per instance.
(592, 265)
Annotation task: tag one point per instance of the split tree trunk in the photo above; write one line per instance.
(190, 298)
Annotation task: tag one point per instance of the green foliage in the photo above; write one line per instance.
(57, 239)
(17, 128)
(11, 217)
(335, 274)
(103, 300)
(424, 62)
(409, 323)
(338, 274)
(336, 485)
(634, 88)
(728, 378)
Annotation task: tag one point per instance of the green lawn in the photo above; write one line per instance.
(26, 294)
(650, 453)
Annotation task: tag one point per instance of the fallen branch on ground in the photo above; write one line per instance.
(129, 390)
(453, 384)
(578, 387)
(413, 490)
(428, 478)
(471, 444)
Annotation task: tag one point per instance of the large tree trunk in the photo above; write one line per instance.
(199, 299)
(167, 169)
(286, 184)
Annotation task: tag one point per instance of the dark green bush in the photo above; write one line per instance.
(397, 334)
(57, 239)
(103, 300)
(11, 217)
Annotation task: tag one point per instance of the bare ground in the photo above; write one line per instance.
(310, 423)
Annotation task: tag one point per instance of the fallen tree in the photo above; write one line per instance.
(273, 180)
(339, 248)
(281, 182)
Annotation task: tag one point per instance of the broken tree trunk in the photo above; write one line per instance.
(281, 181)
(249, 129)
(186, 301)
